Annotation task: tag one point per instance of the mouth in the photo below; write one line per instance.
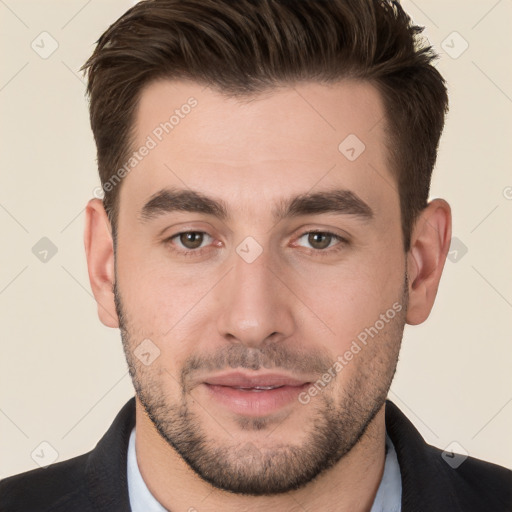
(254, 395)
(259, 381)
(257, 388)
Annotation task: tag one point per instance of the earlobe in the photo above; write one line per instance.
(430, 242)
(99, 252)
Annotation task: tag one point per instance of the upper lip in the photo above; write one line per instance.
(243, 380)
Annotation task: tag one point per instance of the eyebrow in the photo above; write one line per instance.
(337, 201)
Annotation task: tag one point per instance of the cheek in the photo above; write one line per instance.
(352, 298)
(149, 288)
(166, 303)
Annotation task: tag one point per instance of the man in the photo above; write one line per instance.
(263, 238)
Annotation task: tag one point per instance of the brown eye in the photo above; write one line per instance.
(190, 243)
(322, 242)
(319, 240)
(191, 239)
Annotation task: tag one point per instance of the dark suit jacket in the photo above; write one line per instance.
(97, 481)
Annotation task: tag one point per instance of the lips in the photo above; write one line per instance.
(261, 382)
(254, 395)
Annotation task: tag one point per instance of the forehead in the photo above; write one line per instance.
(327, 113)
(284, 141)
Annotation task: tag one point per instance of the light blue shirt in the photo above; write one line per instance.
(389, 493)
(141, 499)
(388, 498)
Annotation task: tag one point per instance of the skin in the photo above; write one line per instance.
(253, 154)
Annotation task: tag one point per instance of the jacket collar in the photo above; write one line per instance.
(106, 469)
(425, 476)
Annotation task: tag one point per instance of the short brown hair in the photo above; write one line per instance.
(245, 47)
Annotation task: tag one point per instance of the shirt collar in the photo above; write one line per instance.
(389, 493)
(141, 499)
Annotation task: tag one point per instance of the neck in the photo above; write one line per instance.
(349, 485)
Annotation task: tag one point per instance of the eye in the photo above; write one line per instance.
(322, 240)
(189, 241)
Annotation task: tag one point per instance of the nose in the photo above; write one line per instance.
(255, 306)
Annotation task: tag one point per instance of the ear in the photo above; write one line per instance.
(430, 243)
(99, 250)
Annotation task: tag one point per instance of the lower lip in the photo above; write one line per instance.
(255, 403)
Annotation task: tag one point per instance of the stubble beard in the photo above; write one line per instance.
(333, 426)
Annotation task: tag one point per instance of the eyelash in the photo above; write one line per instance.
(320, 252)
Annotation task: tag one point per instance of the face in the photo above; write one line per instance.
(260, 277)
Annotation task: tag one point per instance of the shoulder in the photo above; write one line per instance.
(60, 486)
(95, 481)
(434, 479)
(474, 484)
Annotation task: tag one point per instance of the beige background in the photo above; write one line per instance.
(63, 375)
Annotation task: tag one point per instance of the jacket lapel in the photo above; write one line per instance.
(424, 473)
(106, 469)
